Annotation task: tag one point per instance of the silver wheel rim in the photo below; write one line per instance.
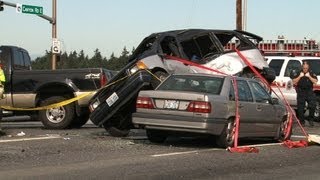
(56, 115)
(317, 110)
(230, 132)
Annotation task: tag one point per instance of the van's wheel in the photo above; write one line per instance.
(79, 121)
(156, 136)
(284, 132)
(227, 137)
(119, 126)
(161, 75)
(57, 118)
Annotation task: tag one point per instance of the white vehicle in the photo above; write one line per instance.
(283, 66)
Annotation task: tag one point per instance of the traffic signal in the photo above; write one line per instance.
(1, 5)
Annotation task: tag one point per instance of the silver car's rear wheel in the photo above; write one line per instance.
(227, 137)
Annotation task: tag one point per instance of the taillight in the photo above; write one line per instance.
(103, 79)
(144, 102)
(199, 106)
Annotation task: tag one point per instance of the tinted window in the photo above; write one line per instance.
(292, 65)
(276, 64)
(204, 84)
(314, 65)
(18, 60)
(27, 61)
(244, 91)
(259, 92)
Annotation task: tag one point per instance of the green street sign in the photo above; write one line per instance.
(29, 9)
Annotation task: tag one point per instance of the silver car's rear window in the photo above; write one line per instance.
(192, 83)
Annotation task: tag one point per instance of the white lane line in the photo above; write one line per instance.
(261, 145)
(29, 139)
(297, 136)
(186, 152)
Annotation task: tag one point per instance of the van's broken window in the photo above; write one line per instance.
(230, 41)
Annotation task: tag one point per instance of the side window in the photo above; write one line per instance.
(231, 93)
(18, 60)
(27, 61)
(276, 64)
(292, 65)
(244, 91)
(259, 92)
(169, 46)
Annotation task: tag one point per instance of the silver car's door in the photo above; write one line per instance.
(246, 108)
(265, 112)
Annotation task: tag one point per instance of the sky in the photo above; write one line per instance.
(110, 25)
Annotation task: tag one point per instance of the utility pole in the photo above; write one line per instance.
(239, 15)
(54, 31)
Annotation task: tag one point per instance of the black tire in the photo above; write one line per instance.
(156, 136)
(282, 134)
(57, 118)
(227, 136)
(161, 75)
(120, 125)
(80, 121)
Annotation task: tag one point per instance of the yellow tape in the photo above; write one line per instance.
(66, 102)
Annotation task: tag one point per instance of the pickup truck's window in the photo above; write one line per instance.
(314, 65)
(203, 84)
(18, 60)
(276, 64)
(259, 92)
(292, 65)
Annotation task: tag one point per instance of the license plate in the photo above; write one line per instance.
(171, 104)
(112, 99)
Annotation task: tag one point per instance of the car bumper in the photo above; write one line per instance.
(129, 90)
(178, 123)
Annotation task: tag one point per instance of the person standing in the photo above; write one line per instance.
(2, 82)
(304, 81)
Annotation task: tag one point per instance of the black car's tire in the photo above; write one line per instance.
(80, 121)
(282, 130)
(161, 75)
(156, 136)
(56, 118)
(115, 132)
(227, 136)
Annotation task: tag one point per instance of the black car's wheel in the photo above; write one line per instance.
(161, 75)
(59, 117)
(80, 121)
(284, 132)
(156, 136)
(119, 126)
(227, 137)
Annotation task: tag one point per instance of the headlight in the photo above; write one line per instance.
(138, 66)
(94, 105)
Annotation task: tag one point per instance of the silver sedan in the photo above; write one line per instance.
(202, 103)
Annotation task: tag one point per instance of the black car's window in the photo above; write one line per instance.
(276, 64)
(244, 91)
(27, 61)
(314, 65)
(204, 84)
(18, 60)
(292, 65)
(259, 92)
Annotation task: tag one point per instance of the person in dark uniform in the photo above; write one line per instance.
(304, 80)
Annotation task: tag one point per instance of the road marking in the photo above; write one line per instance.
(261, 145)
(297, 136)
(29, 139)
(186, 152)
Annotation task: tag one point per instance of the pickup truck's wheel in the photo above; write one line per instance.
(57, 118)
(79, 121)
(156, 136)
(161, 75)
(227, 137)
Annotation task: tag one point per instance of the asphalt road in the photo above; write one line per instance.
(90, 153)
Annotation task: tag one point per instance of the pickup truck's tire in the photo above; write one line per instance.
(227, 137)
(79, 121)
(161, 75)
(57, 118)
